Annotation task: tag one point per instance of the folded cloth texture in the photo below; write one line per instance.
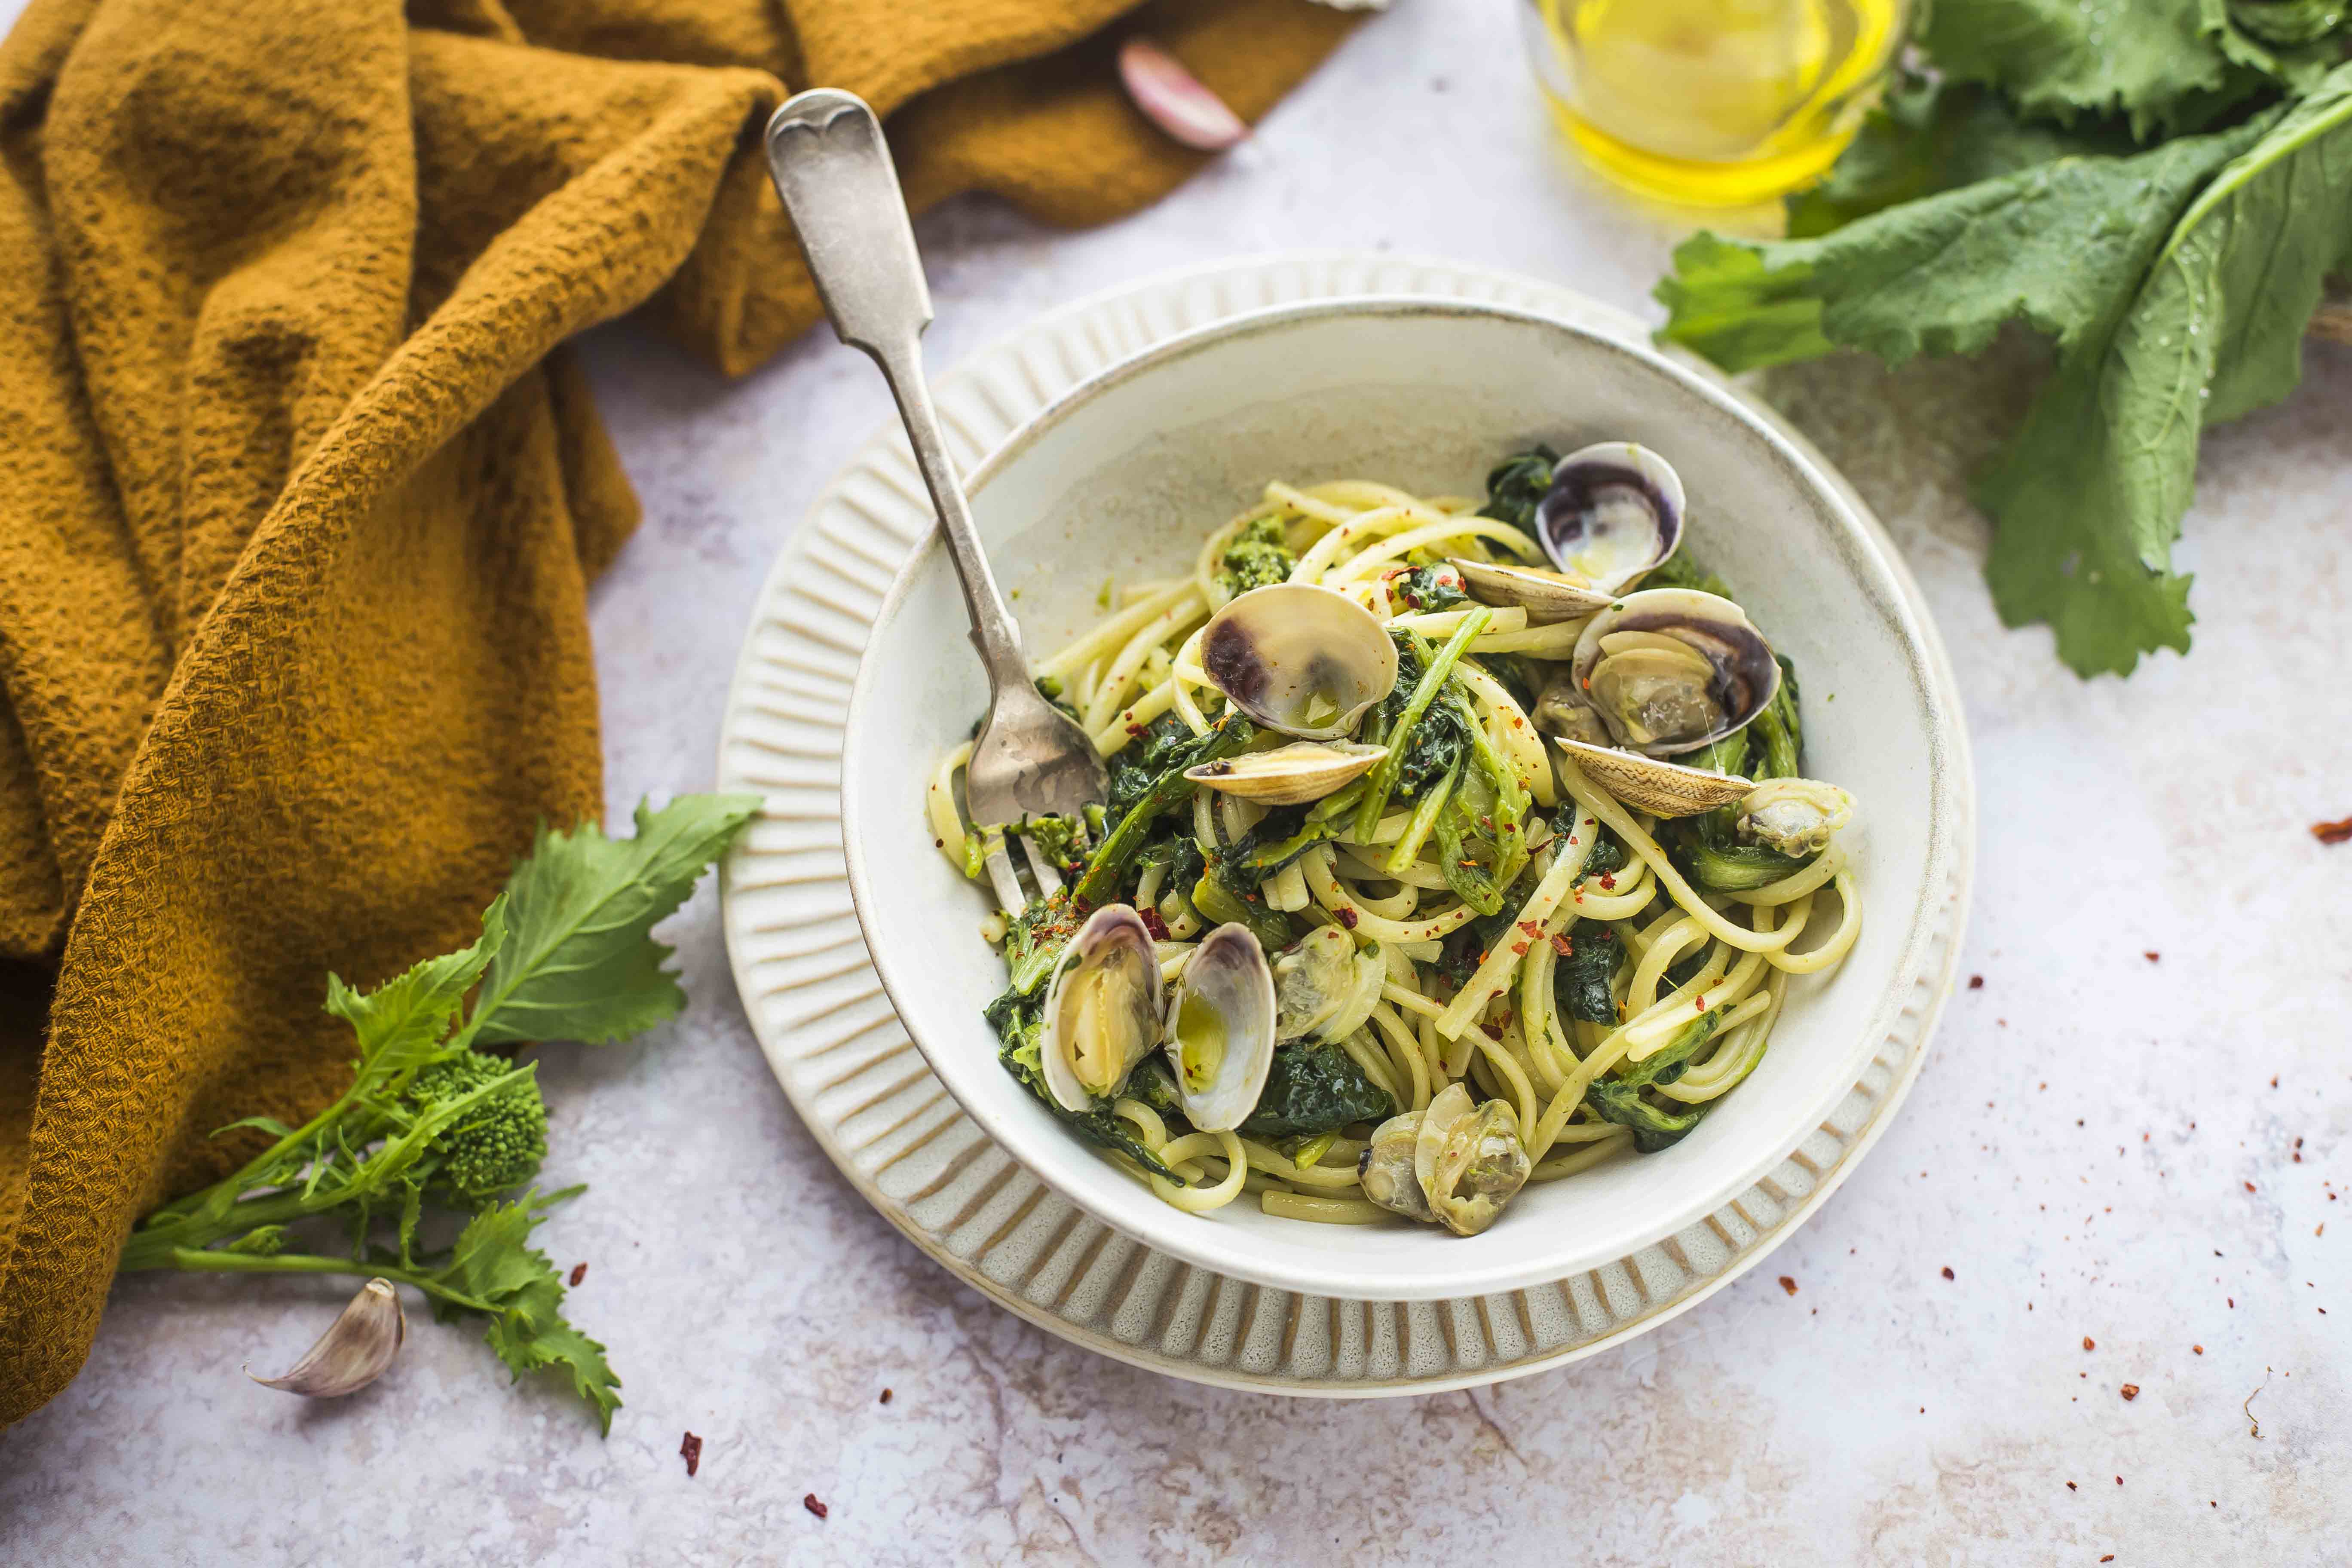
(300, 495)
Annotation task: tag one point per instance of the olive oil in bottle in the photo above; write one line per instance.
(1711, 102)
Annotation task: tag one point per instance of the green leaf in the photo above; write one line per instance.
(2158, 62)
(578, 963)
(1313, 1089)
(402, 1023)
(494, 1263)
(2060, 245)
(2089, 498)
(1929, 134)
(270, 1124)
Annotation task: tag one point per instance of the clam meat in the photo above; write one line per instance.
(1672, 670)
(1102, 1009)
(1560, 710)
(1299, 660)
(1324, 988)
(1385, 1168)
(1220, 1028)
(1455, 1163)
(1794, 816)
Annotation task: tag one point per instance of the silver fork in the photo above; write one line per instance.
(832, 169)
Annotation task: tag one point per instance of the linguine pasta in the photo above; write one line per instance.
(1606, 976)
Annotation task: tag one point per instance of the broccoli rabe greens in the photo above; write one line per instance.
(432, 1121)
(1515, 486)
(1255, 558)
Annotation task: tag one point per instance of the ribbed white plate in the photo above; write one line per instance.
(819, 1012)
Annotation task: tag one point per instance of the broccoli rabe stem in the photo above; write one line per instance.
(1383, 775)
(203, 1260)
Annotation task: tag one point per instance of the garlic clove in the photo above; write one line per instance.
(1173, 99)
(352, 1354)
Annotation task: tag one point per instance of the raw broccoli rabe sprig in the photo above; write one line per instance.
(431, 1120)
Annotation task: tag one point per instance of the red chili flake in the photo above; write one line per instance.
(2089, 1343)
(885, 1397)
(1607, 881)
(1482, 957)
(1348, 917)
(2151, 956)
(1154, 924)
(2332, 832)
(1532, 929)
(2110, 1557)
(2250, 1186)
(1494, 1031)
(2197, 1350)
(2131, 1390)
(2072, 1487)
(809, 1502)
(1788, 1285)
(1135, 728)
(1561, 945)
(2119, 1480)
(692, 1450)
(1503, 1019)
(1976, 982)
(1947, 1271)
(1520, 948)
(579, 1272)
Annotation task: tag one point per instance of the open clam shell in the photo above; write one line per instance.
(1672, 670)
(1653, 784)
(1288, 775)
(1614, 510)
(1794, 816)
(1102, 1010)
(1548, 598)
(1299, 660)
(1324, 987)
(1220, 1028)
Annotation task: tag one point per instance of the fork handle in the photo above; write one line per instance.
(833, 168)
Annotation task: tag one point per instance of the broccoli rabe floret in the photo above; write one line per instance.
(1255, 558)
(497, 1145)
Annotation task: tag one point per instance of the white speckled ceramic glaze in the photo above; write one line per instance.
(1121, 476)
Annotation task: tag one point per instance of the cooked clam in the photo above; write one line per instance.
(1102, 1010)
(1671, 670)
(1290, 775)
(1614, 510)
(1299, 660)
(1324, 987)
(1795, 816)
(1468, 1159)
(1653, 784)
(1547, 598)
(1455, 1163)
(1385, 1168)
(1220, 1028)
(1560, 710)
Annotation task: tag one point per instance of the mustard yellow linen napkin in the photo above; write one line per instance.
(300, 497)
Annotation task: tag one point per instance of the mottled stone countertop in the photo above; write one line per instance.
(2106, 1145)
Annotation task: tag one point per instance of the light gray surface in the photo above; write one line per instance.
(1881, 1414)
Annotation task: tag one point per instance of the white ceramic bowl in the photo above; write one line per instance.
(1122, 477)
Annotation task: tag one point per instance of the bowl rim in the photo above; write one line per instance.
(1945, 866)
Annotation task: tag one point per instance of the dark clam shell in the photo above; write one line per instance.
(1616, 507)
